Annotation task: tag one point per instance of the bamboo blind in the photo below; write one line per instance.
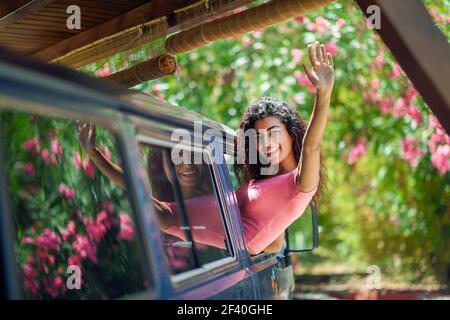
(240, 23)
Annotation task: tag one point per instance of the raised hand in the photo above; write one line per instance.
(321, 74)
(86, 135)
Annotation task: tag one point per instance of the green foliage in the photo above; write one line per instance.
(379, 209)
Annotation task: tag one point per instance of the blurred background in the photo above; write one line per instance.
(385, 217)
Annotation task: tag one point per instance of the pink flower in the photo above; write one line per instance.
(28, 271)
(48, 240)
(31, 285)
(27, 240)
(415, 114)
(375, 84)
(56, 147)
(89, 168)
(71, 227)
(126, 228)
(340, 23)
(331, 47)
(67, 192)
(411, 151)
(50, 260)
(385, 105)
(299, 20)
(74, 261)
(76, 160)
(106, 71)
(33, 145)
(52, 161)
(45, 154)
(396, 71)
(433, 122)
(297, 56)
(321, 25)
(379, 60)
(107, 206)
(410, 94)
(84, 248)
(28, 169)
(357, 151)
(303, 80)
(400, 108)
(440, 159)
(438, 137)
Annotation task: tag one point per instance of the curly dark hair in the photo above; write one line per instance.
(296, 126)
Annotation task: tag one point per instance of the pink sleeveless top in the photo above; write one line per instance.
(267, 208)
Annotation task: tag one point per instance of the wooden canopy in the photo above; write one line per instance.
(38, 28)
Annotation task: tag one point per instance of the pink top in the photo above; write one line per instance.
(267, 208)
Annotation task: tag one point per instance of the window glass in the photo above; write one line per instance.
(188, 190)
(74, 236)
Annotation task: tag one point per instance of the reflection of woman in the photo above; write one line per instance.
(268, 204)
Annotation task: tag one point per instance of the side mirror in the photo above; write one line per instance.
(303, 234)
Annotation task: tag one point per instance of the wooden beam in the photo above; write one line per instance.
(12, 11)
(139, 15)
(420, 48)
(147, 12)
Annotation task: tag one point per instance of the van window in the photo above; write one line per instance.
(74, 233)
(189, 191)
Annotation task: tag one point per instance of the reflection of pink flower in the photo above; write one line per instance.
(33, 145)
(357, 151)
(303, 80)
(27, 240)
(84, 248)
(297, 56)
(67, 192)
(441, 159)
(74, 261)
(126, 228)
(56, 147)
(89, 168)
(48, 240)
(76, 160)
(411, 151)
(28, 169)
(45, 154)
(105, 71)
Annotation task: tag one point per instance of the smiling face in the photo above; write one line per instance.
(274, 142)
(189, 175)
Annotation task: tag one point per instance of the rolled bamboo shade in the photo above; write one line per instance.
(255, 18)
(158, 67)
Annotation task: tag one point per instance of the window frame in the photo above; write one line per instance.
(210, 270)
(119, 128)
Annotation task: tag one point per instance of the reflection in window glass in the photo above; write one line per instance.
(194, 182)
(67, 215)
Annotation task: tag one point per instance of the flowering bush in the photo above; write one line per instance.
(388, 158)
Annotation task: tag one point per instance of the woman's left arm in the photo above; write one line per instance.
(321, 76)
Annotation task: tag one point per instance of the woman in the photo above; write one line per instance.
(269, 204)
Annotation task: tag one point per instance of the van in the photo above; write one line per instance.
(68, 232)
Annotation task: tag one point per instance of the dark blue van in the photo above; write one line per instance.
(67, 232)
